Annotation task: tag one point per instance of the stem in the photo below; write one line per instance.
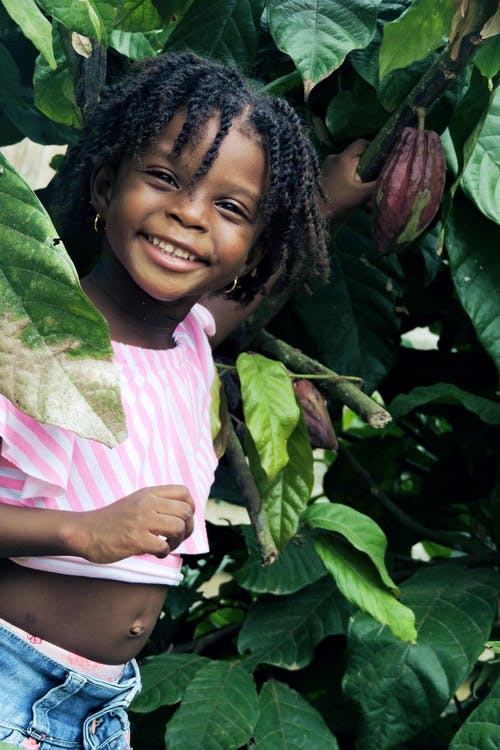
(250, 494)
(426, 93)
(344, 391)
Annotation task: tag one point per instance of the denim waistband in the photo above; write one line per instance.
(44, 699)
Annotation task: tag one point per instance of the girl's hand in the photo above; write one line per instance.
(135, 525)
(341, 182)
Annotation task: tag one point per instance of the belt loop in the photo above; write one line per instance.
(40, 726)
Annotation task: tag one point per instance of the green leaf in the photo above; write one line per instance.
(424, 27)
(351, 322)
(475, 270)
(318, 34)
(55, 91)
(401, 689)
(34, 26)
(137, 16)
(358, 529)
(285, 630)
(81, 16)
(224, 29)
(55, 355)
(445, 393)
(285, 497)
(136, 45)
(218, 712)
(481, 730)
(164, 680)
(297, 566)
(360, 583)
(270, 408)
(288, 722)
(7, 746)
(487, 58)
(481, 176)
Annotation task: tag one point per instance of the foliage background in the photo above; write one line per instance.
(350, 639)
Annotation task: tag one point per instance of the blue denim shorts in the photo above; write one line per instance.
(45, 705)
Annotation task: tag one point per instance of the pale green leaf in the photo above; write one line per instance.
(445, 393)
(285, 497)
(285, 630)
(481, 176)
(288, 722)
(164, 679)
(360, 530)
(54, 90)
(218, 712)
(472, 244)
(421, 29)
(297, 566)
(35, 26)
(135, 16)
(401, 689)
(318, 34)
(487, 58)
(55, 353)
(481, 730)
(271, 411)
(360, 583)
(135, 45)
(77, 15)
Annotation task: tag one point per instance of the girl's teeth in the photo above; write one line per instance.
(166, 247)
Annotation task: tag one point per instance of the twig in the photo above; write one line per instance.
(345, 392)
(250, 494)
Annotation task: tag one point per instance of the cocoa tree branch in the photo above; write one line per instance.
(250, 494)
(338, 389)
(426, 92)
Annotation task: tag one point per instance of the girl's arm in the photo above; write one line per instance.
(137, 524)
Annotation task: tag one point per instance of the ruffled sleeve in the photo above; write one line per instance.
(42, 452)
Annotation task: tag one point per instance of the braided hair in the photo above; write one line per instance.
(131, 115)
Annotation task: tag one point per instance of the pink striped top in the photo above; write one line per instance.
(166, 398)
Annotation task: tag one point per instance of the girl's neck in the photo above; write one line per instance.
(133, 316)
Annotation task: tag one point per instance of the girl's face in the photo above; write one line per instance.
(179, 241)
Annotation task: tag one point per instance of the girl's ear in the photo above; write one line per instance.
(102, 183)
(253, 259)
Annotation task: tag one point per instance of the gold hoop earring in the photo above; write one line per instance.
(99, 228)
(232, 287)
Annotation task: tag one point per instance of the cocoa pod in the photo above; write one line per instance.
(408, 190)
(318, 422)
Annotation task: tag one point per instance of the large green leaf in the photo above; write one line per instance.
(35, 26)
(76, 15)
(270, 408)
(481, 730)
(297, 566)
(487, 58)
(218, 712)
(318, 34)
(351, 323)
(424, 27)
(285, 630)
(472, 243)
(224, 29)
(445, 393)
(288, 722)
(55, 353)
(285, 497)
(401, 689)
(360, 583)
(54, 90)
(481, 176)
(358, 529)
(164, 679)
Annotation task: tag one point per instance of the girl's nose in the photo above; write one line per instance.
(189, 211)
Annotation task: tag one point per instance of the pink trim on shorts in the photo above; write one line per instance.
(103, 672)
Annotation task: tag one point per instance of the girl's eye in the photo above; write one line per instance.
(165, 177)
(233, 208)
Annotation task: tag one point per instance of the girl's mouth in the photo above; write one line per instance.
(169, 249)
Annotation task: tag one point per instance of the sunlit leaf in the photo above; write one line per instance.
(77, 15)
(34, 24)
(55, 353)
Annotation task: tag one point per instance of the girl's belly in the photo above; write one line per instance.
(107, 621)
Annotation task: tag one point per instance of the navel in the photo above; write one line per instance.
(136, 630)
